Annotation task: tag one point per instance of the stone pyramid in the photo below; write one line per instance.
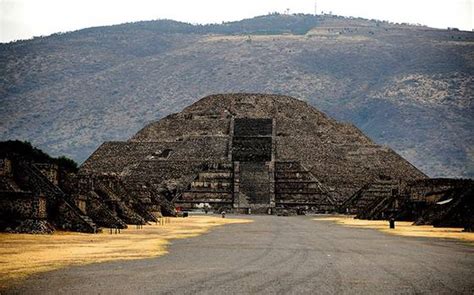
(250, 151)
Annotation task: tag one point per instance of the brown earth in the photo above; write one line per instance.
(24, 254)
(404, 228)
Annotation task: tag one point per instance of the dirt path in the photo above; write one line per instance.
(278, 255)
(22, 254)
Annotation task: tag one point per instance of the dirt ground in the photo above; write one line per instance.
(402, 228)
(25, 254)
(277, 255)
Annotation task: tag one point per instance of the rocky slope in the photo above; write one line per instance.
(405, 86)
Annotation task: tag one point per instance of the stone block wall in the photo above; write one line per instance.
(81, 204)
(426, 201)
(71, 219)
(32, 179)
(431, 190)
(122, 158)
(33, 201)
(345, 168)
(370, 194)
(102, 215)
(5, 167)
(212, 186)
(119, 205)
(454, 209)
(22, 205)
(50, 171)
(180, 127)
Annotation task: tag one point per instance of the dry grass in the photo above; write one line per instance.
(403, 228)
(25, 254)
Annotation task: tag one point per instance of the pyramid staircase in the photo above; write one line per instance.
(134, 203)
(295, 186)
(101, 214)
(166, 206)
(81, 222)
(380, 208)
(124, 212)
(36, 181)
(370, 200)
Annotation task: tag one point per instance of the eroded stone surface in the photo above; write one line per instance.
(257, 151)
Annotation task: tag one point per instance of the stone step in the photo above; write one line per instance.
(206, 190)
(376, 193)
(299, 191)
(214, 180)
(210, 185)
(286, 182)
(285, 174)
(217, 171)
(380, 187)
(306, 194)
(88, 220)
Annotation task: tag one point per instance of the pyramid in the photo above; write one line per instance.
(250, 151)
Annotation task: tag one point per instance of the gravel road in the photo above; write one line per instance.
(278, 255)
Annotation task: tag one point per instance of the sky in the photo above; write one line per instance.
(24, 19)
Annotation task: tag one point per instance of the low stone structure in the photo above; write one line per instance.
(439, 202)
(31, 201)
(39, 193)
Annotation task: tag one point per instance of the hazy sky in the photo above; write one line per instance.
(22, 19)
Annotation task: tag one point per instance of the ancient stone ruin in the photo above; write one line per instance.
(32, 201)
(248, 153)
(241, 153)
(38, 196)
(439, 202)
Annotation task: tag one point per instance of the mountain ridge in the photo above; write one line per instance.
(406, 87)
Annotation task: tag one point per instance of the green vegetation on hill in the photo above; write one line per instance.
(408, 87)
(24, 150)
(269, 24)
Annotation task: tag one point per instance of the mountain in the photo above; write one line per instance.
(408, 87)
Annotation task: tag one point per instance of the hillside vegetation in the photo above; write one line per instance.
(23, 150)
(408, 87)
